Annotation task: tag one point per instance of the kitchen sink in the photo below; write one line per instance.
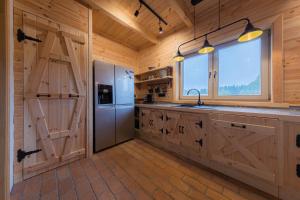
(194, 106)
(186, 105)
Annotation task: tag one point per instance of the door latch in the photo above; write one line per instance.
(298, 140)
(200, 141)
(22, 154)
(22, 36)
(199, 123)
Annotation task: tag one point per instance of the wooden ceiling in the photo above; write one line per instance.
(115, 20)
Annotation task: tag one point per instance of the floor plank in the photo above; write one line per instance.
(133, 170)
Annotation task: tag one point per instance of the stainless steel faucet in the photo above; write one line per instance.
(199, 96)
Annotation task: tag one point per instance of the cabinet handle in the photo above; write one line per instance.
(167, 118)
(43, 95)
(199, 123)
(238, 126)
(161, 117)
(298, 140)
(200, 142)
(161, 130)
(181, 129)
(143, 114)
(298, 170)
(167, 131)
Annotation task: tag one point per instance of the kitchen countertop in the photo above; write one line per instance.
(284, 114)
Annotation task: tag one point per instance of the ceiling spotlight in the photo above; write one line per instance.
(137, 12)
(161, 31)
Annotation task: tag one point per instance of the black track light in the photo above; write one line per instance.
(161, 31)
(137, 12)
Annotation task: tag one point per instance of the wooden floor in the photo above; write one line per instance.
(133, 170)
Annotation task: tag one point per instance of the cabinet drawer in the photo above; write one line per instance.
(243, 119)
(246, 144)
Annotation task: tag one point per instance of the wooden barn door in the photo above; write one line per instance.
(54, 95)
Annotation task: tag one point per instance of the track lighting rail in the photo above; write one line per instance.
(142, 2)
(216, 30)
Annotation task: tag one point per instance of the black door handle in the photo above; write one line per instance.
(200, 123)
(181, 129)
(73, 95)
(161, 130)
(167, 131)
(43, 95)
(161, 117)
(167, 118)
(143, 114)
(200, 142)
(238, 126)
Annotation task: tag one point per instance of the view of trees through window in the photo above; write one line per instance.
(238, 69)
(195, 74)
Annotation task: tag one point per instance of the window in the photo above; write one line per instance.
(238, 71)
(194, 74)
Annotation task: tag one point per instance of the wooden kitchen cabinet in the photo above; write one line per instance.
(145, 124)
(291, 176)
(245, 144)
(157, 123)
(194, 133)
(172, 126)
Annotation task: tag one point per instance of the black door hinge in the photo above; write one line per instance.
(298, 170)
(22, 36)
(298, 140)
(22, 154)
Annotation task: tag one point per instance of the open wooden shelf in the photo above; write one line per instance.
(155, 80)
(153, 70)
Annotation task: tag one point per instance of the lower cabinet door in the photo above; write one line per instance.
(157, 123)
(291, 174)
(248, 148)
(145, 116)
(173, 125)
(193, 137)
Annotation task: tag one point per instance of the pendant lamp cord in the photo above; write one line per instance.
(219, 13)
(194, 22)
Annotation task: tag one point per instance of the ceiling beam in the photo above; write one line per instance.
(182, 11)
(119, 15)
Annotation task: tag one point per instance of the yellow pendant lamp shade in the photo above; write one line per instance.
(250, 33)
(206, 48)
(179, 57)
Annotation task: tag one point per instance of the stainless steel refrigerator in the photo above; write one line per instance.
(113, 105)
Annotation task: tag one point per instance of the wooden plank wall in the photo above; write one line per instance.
(113, 52)
(67, 12)
(262, 13)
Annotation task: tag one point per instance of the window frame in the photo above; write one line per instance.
(213, 73)
(210, 84)
(265, 71)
